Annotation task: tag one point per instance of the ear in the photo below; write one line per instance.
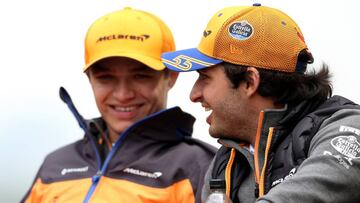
(172, 78)
(253, 82)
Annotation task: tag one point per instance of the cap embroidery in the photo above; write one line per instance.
(123, 36)
(185, 63)
(241, 30)
(206, 33)
(235, 50)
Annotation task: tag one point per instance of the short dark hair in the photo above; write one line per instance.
(282, 87)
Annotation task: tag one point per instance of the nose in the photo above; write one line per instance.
(124, 91)
(196, 94)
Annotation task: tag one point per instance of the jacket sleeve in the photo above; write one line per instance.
(331, 172)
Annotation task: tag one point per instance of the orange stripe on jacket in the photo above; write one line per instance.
(262, 178)
(110, 190)
(256, 147)
(66, 191)
(228, 172)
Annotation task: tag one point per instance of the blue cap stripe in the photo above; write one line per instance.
(185, 63)
(188, 60)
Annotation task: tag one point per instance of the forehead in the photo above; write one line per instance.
(120, 64)
(211, 69)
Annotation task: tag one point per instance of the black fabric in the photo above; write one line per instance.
(290, 144)
(237, 174)
(293, 150)
(161, 142)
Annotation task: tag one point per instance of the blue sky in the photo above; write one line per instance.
(41, 47)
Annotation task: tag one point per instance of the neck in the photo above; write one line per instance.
(113, 136)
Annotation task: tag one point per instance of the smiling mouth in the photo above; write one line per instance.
(126, 109)
(207, 109)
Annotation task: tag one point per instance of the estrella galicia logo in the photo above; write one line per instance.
(347, 145)
(241, 30)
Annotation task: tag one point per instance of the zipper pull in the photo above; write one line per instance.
(96, 177)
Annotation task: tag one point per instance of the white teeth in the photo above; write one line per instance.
(207, 109)
(125, 109)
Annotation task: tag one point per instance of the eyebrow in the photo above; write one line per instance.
(143, 68)
(97, 68)
(201, 71)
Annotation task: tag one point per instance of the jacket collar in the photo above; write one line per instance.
(160, 126)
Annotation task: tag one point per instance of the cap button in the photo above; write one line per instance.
(257, 4)
(127, 8)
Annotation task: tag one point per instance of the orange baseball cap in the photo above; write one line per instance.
(256, 36)
(128, 33)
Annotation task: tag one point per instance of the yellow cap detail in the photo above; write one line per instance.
(256, 36)
(128, 33)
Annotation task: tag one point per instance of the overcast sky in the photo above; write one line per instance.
(41, 49)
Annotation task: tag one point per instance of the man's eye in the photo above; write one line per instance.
(202, 76)
(142, 76)
(104, 77)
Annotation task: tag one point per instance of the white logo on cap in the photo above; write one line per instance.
(241, 30)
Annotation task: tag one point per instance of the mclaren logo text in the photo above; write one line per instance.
(278, 181)
(123, 36)
(137, 172)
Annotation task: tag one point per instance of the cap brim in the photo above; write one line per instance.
(153, 63)
(187, 60)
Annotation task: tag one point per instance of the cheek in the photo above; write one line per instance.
(153, 90)
(100, 94)
(156, 97)
(226, 102)
(213, 94)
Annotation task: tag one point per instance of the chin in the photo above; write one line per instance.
(120, 128)
(214, 134)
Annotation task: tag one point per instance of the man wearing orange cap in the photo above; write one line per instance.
(284, 137)
(138, 151)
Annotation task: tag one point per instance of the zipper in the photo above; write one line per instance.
(262, 177)
(228, 172)
(256, 147)
(96, 178)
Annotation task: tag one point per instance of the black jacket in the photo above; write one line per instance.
(285, 142)
(154, 160)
